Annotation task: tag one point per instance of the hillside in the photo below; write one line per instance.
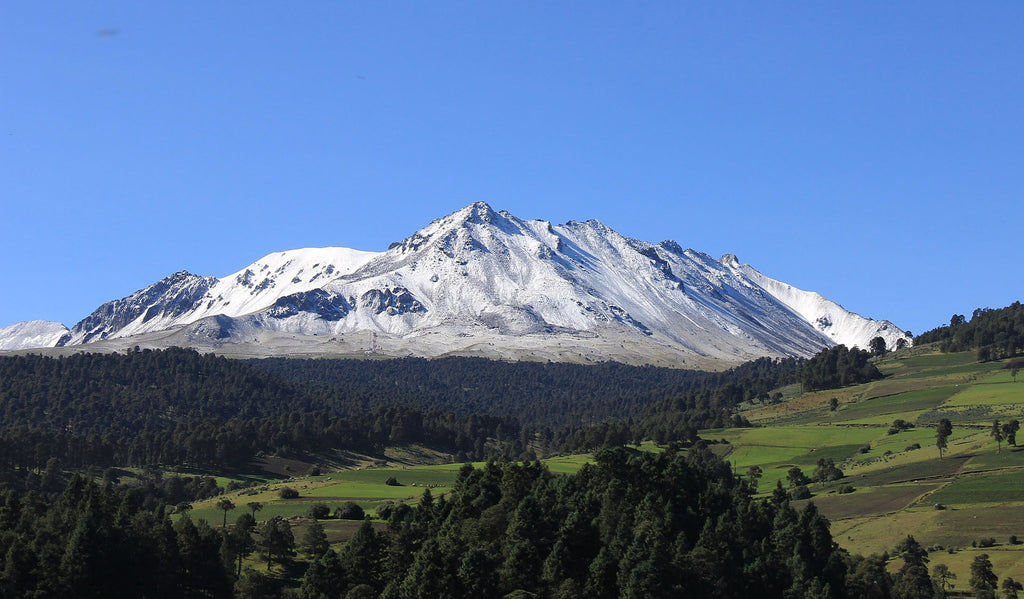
(900, 485)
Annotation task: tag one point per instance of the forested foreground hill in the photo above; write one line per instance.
(636, 525)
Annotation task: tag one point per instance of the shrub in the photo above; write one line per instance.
(287, 493)
(845, 489)
(392, 482)
(235, 485)
(800, 492)
(313, 471)
(349, 511)
(827, 471)
(899, 425)
(319, 511)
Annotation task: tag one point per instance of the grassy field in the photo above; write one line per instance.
(900, 486)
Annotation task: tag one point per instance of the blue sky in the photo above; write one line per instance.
(870, 151)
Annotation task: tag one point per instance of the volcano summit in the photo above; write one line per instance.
(485, 283)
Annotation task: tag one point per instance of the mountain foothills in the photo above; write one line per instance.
(481, 283)
(107, 464)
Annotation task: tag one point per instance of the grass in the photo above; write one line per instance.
(878, 500)
(896, 486)
(975, 488)
(904, 405)
(989, 392)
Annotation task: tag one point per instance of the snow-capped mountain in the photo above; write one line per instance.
(31, 334)
(488, 283)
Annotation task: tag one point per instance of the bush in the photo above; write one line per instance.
(800, 492)
(392, 482)
(313, 471)
(913, 447)
(319, 511)
(235, 485)
(1014, 540)
(900, 425)
(827, 471)
(287, 493)
(865, 449)
(845, 489)
(349, 511)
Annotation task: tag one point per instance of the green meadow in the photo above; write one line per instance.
(895, 483)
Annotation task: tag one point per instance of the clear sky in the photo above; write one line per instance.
(870, 151)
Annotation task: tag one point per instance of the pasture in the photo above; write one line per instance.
(900, 486)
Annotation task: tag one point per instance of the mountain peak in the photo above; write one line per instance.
(481, 282)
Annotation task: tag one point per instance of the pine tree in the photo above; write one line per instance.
(942, 432)
(983, 579)
(314, 540)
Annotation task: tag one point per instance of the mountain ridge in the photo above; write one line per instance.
(483, 282)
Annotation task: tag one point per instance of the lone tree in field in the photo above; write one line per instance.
(943, 578)
(1010, 432)
(942, 432)
(997, 434)
(254, 506)
(226, 505)
(983, 579)
(1010, 588)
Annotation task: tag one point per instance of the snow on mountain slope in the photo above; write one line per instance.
(488, 283)
(837, 323)
(31, 334)
(183, 297)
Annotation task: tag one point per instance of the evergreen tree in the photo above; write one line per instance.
(1010, 588)
(1010, 431)
(314, 539)
(869, 579)
(983, 579)
(362, 557)
(943, 578)
(997, 433)
(942, 432)
(324, 578)
(276, 540)
(226, 505)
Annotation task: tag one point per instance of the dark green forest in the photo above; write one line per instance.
(631, 525)
(994, 334)
(180, 407)
(838, 367)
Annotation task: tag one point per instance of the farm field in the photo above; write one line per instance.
(900, 486)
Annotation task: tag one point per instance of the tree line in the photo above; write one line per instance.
(838, 366)
(994, 333)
